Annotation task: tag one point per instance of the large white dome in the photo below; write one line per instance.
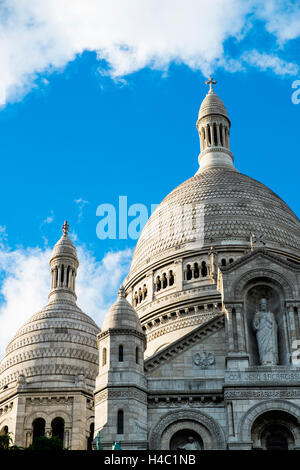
(234, 206)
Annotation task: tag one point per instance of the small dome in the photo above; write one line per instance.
(212, 105)
(121, 315)
(64, 246)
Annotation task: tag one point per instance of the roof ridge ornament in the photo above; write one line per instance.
(122, 292)
(65, 228)
(210, 82)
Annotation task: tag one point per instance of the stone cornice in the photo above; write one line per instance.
(254, 254)
(121, 331)
(184, 343)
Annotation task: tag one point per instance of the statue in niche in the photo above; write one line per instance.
(265, 326)
(190, 444)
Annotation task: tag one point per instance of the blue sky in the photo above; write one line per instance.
(86, 120)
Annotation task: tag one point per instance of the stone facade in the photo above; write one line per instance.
(216, 246)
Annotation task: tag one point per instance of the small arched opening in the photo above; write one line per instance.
(274, 430)
(58, 428)
(104, 356)
(38, 428)
(91, 437)
(203, 269)
(4, 430)
(186, 439)
(189, 273)
(120, 423)
(121, 353)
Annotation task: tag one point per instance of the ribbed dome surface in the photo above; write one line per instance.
(234, 205)
(54, 345)
(212, 104)
(121, 315)
(64, 247)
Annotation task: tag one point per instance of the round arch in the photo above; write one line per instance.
(170, 423)
(278, 279)
(253, 413)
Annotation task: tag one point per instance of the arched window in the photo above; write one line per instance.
(104, 354)
(4, 430)
(189, 273)
(158, 283)
(62, 275)
(203, 269)
(58, 428)
(231, 260)
(121, 353)
(91, 437)
(144, 291)
(140, 295)
(196, 270)
(38, 426)
(171, 278)
(164, 281)
(223, 262)
(120, 424)
(215, 135)
(137, 355)
(209, 135)
(135, 299)
(221, 134)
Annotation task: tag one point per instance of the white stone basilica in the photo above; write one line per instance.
(200, 349)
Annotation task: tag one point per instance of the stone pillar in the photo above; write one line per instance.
(230, 419)
(70, 278)
(240, 328)
(229, 327)
(178, 273)
(28, 440)
(291, 328)
(58, 276)
(65, 276)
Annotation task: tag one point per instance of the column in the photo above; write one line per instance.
(73, 276)
(230, 419)
(230, 338)
(67, 268)
(223, 136)
(291, 327)
(59, 276)
(240, 328)
(70, 278)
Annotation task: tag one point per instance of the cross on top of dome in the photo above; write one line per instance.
(65, 228)
(210, 82)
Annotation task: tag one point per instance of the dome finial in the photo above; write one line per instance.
(65, 228)
(210, 82)
(122, 292)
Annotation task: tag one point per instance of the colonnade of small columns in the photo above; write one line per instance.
(214, 135)
(63, 276)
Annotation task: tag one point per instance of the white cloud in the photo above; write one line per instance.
(81, 203)
(25, 284)
(270, 62)
(282, 18)
(37, 37)
(48, 220)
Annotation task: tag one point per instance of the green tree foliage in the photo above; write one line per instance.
(47, 443)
